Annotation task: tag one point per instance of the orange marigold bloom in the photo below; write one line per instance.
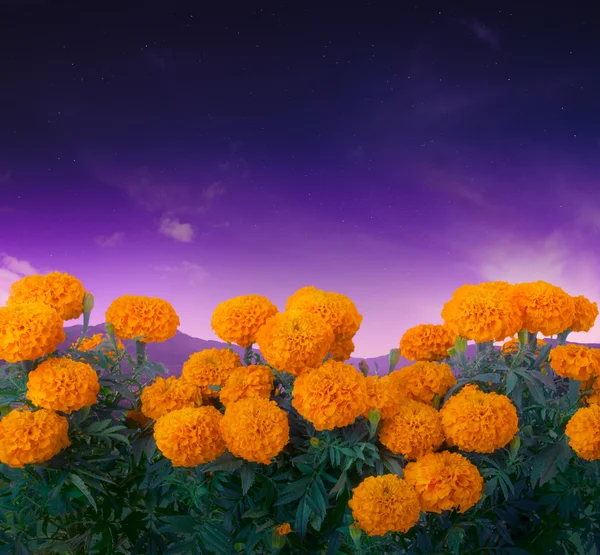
(330, 396)
(427, 342)
(342, 349)
(29, 331)
(482, 313)
(154, 319)
(546, 308)
(445, 481)
(386, 394)
(62, 292)
(336, 309)
(238, 319)
(382, 504)
(583, 431)
(255, 429)
(210, 367)
(415, 430)
(577, 362)
(477, 421)
(191, 436)
(165, 396)
(295, 340)
(63, 384)
(101, 343)
(28, 437)
(584, 315)
(422, 381)
(247, 381)
(511, 347)
(283, 529)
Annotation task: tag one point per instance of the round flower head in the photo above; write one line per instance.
(237, 320)
(28, 437)
(422, 381)
(210, 367)
(414, 431)
(577, 362)
(295, 340)
(99, 343)
(255, 429)
(62, 292)
(445, 481)
(545, 307)
(593, 384)
(482, 313)
(165, 396)
(63, 384)
(385, 394)
(584, 315)
(133, 316)
(29, 331)
(583, 431)
(427, 342)
(342, 349)
(247, 381)
(336, 309)
(511, 347)
(330, 396)
(477, 421)
(283, 529)
(191, 436)
(382, 504)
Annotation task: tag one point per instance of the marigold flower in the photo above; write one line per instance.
(62, 292)
(415, 430)
(546, 308)
(238, 319)
(295, 340)
(28, 437)
(477, 421)
(283, 529)
(342, 349)
(247, 381)
(382, 504)
(255, 429)
(29, 331)
(422, 381)
(583, 431)
(385, 394)
(577, 362)
(445, 481)
(584, 314)
(191, 436)
(511, 347)
(99, 343)
(132, 316)
(210, 367)
(63, 384)
(427, 342)
(330, 396)
(165, 396)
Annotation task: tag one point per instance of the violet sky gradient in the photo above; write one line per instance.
(392, 154)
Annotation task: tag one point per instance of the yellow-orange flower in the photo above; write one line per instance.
(577, 362)
(385, 394)
(283, 529)
(247, 381)
(154, 319)
(29, 331)
(382, 504)
(255, 429)
(63, 384)
(415, 430)
(336, 309)
(445, 481)
(165, 396)
(584, 314)
(477, 421)
(238, 319)
(422, 381)
(295, 340)
(190, 436)
(62, 292)
(427, 342)
(99, 343)
(583, 431)
(341, 349)
(511, 347)
(28, 437)
(546, 308)
(210, 367)
(330, 396)
(482, 313)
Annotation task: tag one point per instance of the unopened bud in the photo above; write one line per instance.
(374, 416)
(110, 329)
(88, 302)
(514, 445)
(355, 532)
(451, 351)
(314, 441)
(523, 336)
(394, 357)
(363, 367)
(436, 401)
(460, 345)
(278, 541)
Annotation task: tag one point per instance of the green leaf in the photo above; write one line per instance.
(302, 514)
(550, 461)
(78, 483)
(293, 491)
(574, 389)
(511, 382)
(488, 377)
(247, 474)
(180, 524)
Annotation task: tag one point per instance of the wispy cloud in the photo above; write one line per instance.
(172, 227)
(110, 240)
(11, 270)
(195, 272)
(482, 32)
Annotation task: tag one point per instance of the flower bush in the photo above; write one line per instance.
(292, 450)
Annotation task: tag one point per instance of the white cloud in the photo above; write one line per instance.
(110, 240)
(195, 272)
(172, 227)
(12, 269)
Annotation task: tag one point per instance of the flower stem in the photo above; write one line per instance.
(140, 352)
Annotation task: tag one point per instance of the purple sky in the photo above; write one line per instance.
(388, 156)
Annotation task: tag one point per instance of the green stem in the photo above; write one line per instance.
(248, 355)
(140, 352)
(532, 341)
(562, 337)
(86, 323)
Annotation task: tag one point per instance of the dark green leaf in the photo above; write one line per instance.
(78, 483)
(247, 474)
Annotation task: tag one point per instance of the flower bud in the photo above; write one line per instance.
(436, 402)
(451, 351)
(374, 416)
(394, 357)
(355, 532)
(88, 302)
(523, 338)
(460, 345)
(363, 367)
(514, 445)
(314, 441)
